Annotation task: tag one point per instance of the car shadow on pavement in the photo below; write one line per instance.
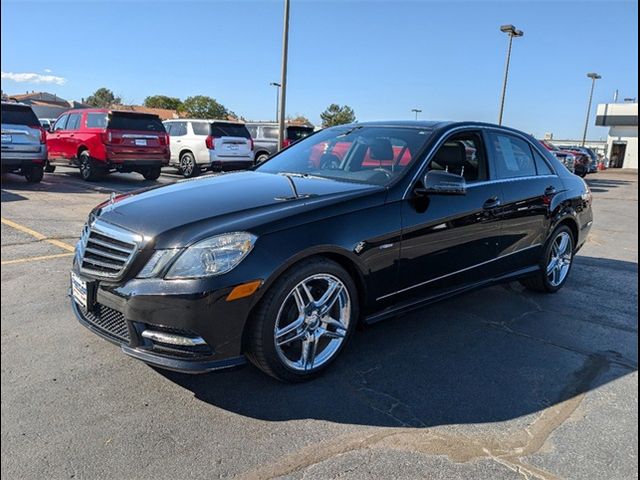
(601, 185)
(488, 356)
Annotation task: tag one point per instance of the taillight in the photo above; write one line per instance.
(43, 133)
(286, 142)
(251, 143)
(106, 137)
(166, 139)
(210, 142)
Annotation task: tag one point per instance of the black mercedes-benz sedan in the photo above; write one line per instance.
(354, 223)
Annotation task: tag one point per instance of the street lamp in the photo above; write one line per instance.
(416, 111)
(512, 32)
(593, 76)
(277, 85)
(283, 79)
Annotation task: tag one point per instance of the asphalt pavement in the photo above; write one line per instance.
(497, 384)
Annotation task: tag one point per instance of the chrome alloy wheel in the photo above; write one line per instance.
(312, 322)
(187, 164)
(560, 259)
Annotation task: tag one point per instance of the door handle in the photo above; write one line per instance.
(550, 190)
(493, 202)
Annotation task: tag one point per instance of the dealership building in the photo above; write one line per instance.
(622, 141)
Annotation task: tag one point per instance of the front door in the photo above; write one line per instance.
(54, 149)
(449, 240)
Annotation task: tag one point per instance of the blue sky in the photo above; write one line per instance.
(383, 58)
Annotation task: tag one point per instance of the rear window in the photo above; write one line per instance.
(270, 132)
(229, 130)
(296, 133)
(19, 115)
(96, 120)
(127, 121)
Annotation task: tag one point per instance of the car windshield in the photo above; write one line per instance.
(363, 154)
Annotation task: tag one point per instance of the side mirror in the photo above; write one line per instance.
(438, 182)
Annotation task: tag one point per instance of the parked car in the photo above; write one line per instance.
(99, 141)
(265, 137)
(24, 148)
(217, 145)
(567, 159)
(580, 160)
(593, 158)
(280, 263)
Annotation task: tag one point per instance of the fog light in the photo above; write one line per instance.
(173, 339)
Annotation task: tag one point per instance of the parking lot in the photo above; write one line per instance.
(501, 383)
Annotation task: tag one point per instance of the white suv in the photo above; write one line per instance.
(218, 145)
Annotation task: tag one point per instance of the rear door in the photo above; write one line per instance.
(231, 140)
(21, 130)
(528, 185)
(136, 133)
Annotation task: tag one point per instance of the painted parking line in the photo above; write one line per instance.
(35, 259)
(38, 235)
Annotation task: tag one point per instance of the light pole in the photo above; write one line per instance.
(593, 76)
(416, 111)
(277, 85)
(512, 32)
(283, 79)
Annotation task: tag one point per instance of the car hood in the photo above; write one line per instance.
(178, 214)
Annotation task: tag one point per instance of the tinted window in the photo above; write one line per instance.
(96, 120)
(229, 130)
(200, 128)
(167, 127)
(74, 121)
(512, 156)
(462, 154)
(296, 133)
(270, 132)
(19, 115)
(541, 164)
(253, 130)
(61, 123)
(178, 129)
(128, 121)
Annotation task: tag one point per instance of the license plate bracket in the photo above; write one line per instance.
(140, 142)
(6, 138)
(83, 292)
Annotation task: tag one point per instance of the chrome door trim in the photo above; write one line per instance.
(456, 272)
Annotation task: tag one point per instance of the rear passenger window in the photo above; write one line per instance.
(201, 128)
(541, 164)
(512, 156)
(178, 129)
(253, 130)
(74, 121)
(270, 132)
(96, 120)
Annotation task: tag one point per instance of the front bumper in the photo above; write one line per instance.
(120, 315)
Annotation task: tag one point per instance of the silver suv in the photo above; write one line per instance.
(24, 142)
(218, 145)
(265, 137)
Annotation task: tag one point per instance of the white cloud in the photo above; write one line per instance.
(33, 78)
(47, 70)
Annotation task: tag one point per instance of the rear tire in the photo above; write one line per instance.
(49, 168)
(152, 173)
(89, 171)
(261, 158)
(34, 173)
(294, 337)
(188, 166)
(555, 263)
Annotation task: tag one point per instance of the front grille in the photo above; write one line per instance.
(109, 321)
(105, 251)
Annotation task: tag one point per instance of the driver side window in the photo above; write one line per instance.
(462, 154)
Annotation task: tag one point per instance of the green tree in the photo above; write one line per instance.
(299, 119)
(163, 101)
(337, 115)
(201, 106)
(102, 98)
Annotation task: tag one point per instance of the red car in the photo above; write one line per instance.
(99, 141)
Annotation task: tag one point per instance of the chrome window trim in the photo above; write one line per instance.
(484, 182)
(456, 272)
(509, 180)
(140, 135)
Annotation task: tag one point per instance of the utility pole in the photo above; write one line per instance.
(512, 32)
(593, 76)
(283, 79)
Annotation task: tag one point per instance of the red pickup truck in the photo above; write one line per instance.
(99, 141)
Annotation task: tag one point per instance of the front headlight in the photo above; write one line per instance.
(213, 256)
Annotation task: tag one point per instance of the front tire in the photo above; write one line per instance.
(304, 321)
(34, 173)
(89, 171)
(152, 173)
(555, 263)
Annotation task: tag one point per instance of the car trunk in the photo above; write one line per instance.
(231, 140)
(21, 131)
(136, 133)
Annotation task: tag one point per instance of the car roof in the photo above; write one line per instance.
(203, 120)
(434, 125)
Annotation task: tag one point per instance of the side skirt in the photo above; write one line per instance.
(407, 307)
